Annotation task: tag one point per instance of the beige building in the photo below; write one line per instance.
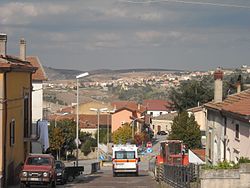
(163, 122)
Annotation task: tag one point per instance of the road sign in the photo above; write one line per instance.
(149, 150)
(149, 144)
(102, 157)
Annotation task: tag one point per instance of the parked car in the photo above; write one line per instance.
(61, 176)
(162, 133)
(38, 169)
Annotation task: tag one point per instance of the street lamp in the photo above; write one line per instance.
(98, 111)
(133, 125)
(77, 112)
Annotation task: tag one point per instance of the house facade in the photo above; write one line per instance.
(126, 115)
(37, 83)
(15, 113)
(163, 122)
(228, 125)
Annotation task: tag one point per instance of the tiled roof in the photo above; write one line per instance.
(12, 63)
(195, 109)
(201, 153)
(40, 73)
(157, 105)
(238, 103)
(169, 116)
(132, 105)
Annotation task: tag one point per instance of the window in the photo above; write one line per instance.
(12, 132)
(124, 154)
(237, 131)
(26, 116)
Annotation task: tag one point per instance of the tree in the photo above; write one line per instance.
(123, 134)
(141, 138)
(192, 92)
(56, 139)
(185, 128)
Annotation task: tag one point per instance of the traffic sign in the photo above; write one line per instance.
(149, 150)
(149, 144)
(102, 157)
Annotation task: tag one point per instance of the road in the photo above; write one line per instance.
(105, 179)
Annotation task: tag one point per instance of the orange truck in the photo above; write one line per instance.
(171, 152)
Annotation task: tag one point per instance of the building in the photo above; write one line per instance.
(157, 107)
(227, 124)
(163, 122)
(15, 113)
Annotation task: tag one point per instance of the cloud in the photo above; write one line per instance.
(152, 16)
(17, 13)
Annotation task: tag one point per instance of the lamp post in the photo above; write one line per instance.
(98, 111)
(77, 112)
(133, 125)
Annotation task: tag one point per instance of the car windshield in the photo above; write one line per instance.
(38, 161)
(58, 165)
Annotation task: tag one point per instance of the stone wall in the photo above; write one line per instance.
(231, 178)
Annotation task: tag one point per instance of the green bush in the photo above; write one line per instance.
(87, 146)
(244, 160)
(222, 165)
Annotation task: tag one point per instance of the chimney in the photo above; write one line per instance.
(238, 84)
(3, 42)
(22, 49)
(218, 89)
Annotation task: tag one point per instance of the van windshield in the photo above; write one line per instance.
(125, 154)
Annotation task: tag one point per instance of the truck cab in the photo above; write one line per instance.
(125, 159)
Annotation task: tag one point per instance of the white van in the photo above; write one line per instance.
(125, 159)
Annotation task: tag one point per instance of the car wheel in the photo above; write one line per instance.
(54, 183)
(70, 178)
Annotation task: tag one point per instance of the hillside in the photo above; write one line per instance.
(65, 74)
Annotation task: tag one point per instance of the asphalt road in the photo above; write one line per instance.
(105, 179)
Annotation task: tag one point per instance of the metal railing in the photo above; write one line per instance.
(177, 176)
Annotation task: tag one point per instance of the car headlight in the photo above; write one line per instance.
(25, 174)
(59, 174)
(45, 174)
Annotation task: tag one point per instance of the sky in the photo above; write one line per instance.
(126, 34)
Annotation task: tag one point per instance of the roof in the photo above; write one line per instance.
(195, 109)
(169, 116)
(131, 105)
(238, 103)
(201, 153)
(12, 63)
(157, 105)
(40, 74)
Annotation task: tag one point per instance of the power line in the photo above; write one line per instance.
(187, 2)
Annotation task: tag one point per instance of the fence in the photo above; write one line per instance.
(177, 176)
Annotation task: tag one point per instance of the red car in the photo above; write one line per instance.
(38, 169)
